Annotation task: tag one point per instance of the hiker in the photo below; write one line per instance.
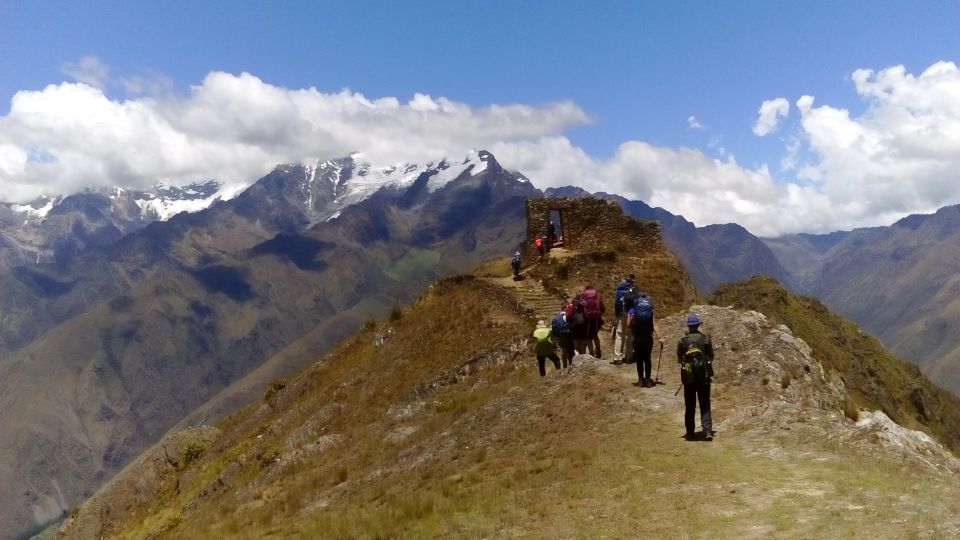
(545, 347)
(593, 310)
(563, 336)
(695, 355)
(551, 236)
(643, 326)
(577, 321)
(538, 241)
(623, 349)
(515, 264)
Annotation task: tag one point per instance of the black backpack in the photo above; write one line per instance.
(630, 299)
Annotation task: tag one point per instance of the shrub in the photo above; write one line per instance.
(561, 271)
(268, 457)
(608, 255)
(850, 408)
(274, 388)
(192, 453)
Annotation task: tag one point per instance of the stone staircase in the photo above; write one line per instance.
(531, 295)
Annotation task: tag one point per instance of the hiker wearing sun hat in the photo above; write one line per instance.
(545, 348)
(695, 355)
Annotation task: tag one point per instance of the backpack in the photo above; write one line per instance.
(629, 300)
(577, 325)
(516, 258)
(696, 367)
(574, 307)
(642, 322)
(622, 289)
(591, 304)
(545, 344)
(559, 326)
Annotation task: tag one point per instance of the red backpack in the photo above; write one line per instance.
(592, 308)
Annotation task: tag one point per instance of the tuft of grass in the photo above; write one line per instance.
(268, 456)
(607, 255)
(274, 389)
(850, 409)
(192, 453)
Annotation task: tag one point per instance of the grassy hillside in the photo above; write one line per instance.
(874, 377)
(434, 423)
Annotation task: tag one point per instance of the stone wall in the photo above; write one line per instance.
(590, 224)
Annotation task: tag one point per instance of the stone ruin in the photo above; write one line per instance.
(587, 224)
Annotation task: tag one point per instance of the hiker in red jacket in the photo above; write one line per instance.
(593, 310)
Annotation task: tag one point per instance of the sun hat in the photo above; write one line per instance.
(693, 320)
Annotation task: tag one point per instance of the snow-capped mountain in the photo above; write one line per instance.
(333, 185)
(55, 228)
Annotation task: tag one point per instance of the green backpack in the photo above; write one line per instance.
(696, 367)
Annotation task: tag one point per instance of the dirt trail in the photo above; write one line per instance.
(659, 400)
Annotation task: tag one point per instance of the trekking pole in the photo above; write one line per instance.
(659, 358)
(678, 390)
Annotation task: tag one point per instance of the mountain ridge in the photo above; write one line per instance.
(422, 426)
(199, 300)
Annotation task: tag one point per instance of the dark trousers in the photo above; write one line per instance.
(542, 362)
(565, 341)
(691, 394)
(642, 348)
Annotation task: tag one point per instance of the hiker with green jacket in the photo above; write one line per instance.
(545, 348)
(695, 355)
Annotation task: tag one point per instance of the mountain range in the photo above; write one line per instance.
(106, 349)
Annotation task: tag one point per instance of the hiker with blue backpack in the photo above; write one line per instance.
(545, 348)
(644, 328)
(563, 336)
(695, 355)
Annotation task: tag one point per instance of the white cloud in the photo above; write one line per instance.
(901, 156)
(769, 116)
(88, 70)
(694, 123)
(236, 128)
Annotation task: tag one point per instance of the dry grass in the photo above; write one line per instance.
(442, 428)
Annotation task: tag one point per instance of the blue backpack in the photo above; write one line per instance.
(559, 326)
(642, 322)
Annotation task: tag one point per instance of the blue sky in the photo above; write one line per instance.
(667, 76)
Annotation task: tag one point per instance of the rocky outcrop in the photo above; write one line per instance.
(777, 389)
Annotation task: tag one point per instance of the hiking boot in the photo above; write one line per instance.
(708, 435)
(689, 436)
(616, 362)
